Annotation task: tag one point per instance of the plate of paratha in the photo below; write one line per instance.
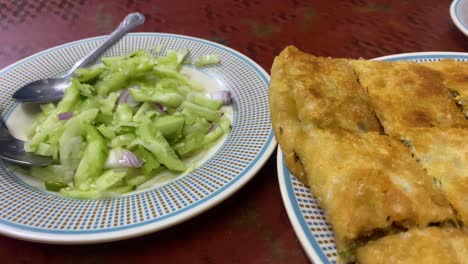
(372, 163)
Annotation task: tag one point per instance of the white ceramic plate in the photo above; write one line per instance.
(459, 15)
(30, 213)
(307, 218)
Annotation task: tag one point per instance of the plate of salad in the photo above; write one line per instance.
(158, 130)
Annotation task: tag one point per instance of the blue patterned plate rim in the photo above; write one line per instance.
(456, 10)
(289, 192)
(131, 230)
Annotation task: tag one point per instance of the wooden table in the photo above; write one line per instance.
(252, 225)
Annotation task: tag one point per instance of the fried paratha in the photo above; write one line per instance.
(341, 124)
(427, 245)
(443, 153)
(368, 184)
(406, 95)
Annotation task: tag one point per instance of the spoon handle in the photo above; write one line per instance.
(4, 133)
(130, 22)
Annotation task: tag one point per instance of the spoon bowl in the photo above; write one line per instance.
(12, 150)
(42, 91)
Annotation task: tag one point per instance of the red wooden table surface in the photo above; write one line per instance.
(252, 225)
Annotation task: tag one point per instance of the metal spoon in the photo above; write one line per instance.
(12, 150)
(51, 89)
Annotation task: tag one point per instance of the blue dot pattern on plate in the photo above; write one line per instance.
(29, 209)
(312, 220)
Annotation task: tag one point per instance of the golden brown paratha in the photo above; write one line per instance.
(368, 183)
(428, 245)
(314, 92)
(406, 95)
(443, 153)
(327, 115)
(455, 76)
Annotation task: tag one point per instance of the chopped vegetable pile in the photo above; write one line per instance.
(124, 121)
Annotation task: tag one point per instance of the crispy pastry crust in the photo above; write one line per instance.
(325, 114)
(314, 92)
(428, 245)
(368, 182)
(283, 112)
(455, 75)
(327, 93)
(443, 153)
(407, 95)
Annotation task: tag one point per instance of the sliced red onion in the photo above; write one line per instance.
(127, 98)
(122, 158)
(212, 127)
(65, 115)
(223, 95)
(123, 97)
(161, 107)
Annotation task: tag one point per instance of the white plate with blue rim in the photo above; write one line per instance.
(29, 212)
(459, 15)
(307, 218)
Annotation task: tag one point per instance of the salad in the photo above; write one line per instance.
(123, 122)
